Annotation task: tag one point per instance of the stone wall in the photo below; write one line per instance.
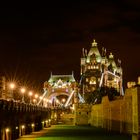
(82, 114)
(120, 115)
(113, 115)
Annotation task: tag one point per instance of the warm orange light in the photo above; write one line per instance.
(63, 100)
(33, 125)
(40, 97)
(34, 100)
(30, 93)
(36, 95)
(7, 129)
(23, 126)
(12, 85)
(22, 90)
(16, 127)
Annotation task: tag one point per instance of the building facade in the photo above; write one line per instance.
(2, 87)
(99, 70)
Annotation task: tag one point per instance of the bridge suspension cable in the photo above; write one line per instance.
(101, 82)
(81, 99)
(45, 92)
(69, 98)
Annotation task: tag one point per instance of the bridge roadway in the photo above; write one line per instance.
(69, 132)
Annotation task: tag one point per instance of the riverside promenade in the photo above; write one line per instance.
(69, 132)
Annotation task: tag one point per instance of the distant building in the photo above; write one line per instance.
(131, 84)
(2, 86)
(98, 70)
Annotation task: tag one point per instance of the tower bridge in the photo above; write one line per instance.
(60, 93)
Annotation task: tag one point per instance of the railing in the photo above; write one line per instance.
(17, 118)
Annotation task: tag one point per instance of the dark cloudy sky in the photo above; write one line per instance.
(35, 40)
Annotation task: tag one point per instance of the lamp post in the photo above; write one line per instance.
(36, 97)
(22, 91)
(30, 94)
(63, 101)
(34, 101)
(40, 98)
(12, 86)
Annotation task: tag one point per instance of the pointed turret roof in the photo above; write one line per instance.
(112, 61)
(94, 51)
(55, 78)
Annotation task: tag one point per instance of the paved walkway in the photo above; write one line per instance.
(67, 132)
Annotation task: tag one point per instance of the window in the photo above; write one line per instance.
(92, 80)
(89, 67)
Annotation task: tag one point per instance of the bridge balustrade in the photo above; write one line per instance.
(16, 116)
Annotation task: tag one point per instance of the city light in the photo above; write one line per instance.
(30, 93)
(22, 90)
(16, 127)
(36, 96)
(34, 101)
(40, 97)
(12, 85)
(63, 100)
(57, 101)
(7, 129)
(23, 126)
(32, 124)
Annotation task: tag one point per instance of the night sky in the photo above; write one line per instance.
(35, 40)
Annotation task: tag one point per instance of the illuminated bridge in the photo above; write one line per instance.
(23, 111)
(59, 91)
(28, 112)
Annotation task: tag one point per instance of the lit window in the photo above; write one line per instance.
(91, 67)
(88, 60)
(97, 67)
(92, 81)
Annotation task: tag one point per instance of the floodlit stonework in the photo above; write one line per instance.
(99, 70)
(120, 115)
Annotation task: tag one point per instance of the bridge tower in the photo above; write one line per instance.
(59, 90)
(98, 70)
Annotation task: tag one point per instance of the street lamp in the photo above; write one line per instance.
(22, 91)
(34, 101)
(12, 86)
(36, 96)
(63, 100)
(30, 94)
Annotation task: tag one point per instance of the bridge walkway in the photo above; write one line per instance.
(70, 132)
